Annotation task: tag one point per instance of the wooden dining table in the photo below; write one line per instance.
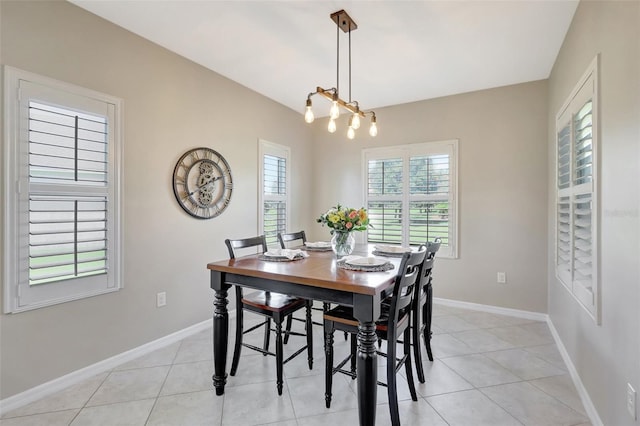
(316, 277)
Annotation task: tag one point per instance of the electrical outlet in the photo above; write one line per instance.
(161, 299)
(631, 401)
(502, 278)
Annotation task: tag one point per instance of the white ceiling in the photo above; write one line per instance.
(402, 51)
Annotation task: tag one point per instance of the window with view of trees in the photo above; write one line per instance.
(410, 194)
(63, 239)
(274, 194)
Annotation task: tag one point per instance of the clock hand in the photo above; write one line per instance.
(206, 184)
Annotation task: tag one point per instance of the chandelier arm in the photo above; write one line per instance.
(329, 93)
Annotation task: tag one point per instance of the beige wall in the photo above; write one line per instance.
(502, 183)
(607, 357)
(171, 105)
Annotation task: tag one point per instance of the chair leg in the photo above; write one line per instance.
(267, 335)
(415, 341)
(279, 358)
(407, 365)
(427, 311)
(354, 355)
(309, 332)
(288, 328)
(392, 387)
(239, 333)
(328, 356)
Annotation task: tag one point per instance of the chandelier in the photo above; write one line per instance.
(346, 24)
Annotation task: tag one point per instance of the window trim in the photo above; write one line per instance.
(406, 151)
(14, 185)
(577, 291)
(265, 147)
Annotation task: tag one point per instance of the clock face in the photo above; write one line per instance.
(202, 183)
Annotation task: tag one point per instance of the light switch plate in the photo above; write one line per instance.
(161, 299)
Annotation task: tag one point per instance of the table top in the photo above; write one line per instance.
(317, 270)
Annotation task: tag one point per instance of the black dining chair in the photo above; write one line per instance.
(296, 239)
(285, 239)
(392, 326)
(299, 238)
(272, 306)
(423, 309)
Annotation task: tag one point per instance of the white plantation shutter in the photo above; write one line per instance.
(67, 232)
(67, 237)
(410, 194)
(274, 193)
(64, 227)
(576, 233)
(66, 146)
(384, 205)
(563, 239)
(429, 198)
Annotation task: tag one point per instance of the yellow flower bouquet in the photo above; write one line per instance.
(345, 219)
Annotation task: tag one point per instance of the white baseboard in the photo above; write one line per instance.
(49, 388)
(535, 316)
(584, 396)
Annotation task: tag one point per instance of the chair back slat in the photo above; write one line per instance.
(233, 245)
(291, 236)
(426, 269)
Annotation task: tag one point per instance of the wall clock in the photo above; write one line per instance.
(202, 183)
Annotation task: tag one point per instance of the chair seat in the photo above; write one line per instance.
(273, 302)
(344, 315)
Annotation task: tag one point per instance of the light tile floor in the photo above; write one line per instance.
(489, 370)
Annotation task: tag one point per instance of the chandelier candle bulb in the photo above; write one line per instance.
(332, 126)
(373, 130)
(308, 115)
(335, 110)
(355, 121)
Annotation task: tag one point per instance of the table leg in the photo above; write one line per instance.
(220, 339)
(366, 309)
(367, 371)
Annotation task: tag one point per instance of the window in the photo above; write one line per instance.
(274, 190)
(62, 222)
(576, 254)
(411, 194)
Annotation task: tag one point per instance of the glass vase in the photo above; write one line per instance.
(342, 243)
